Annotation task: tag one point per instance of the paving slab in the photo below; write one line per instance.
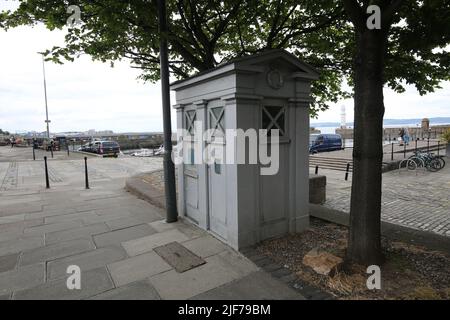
(140, 290)
(137, 268)
(122, 223)
(14, 230)
(180, 286)
(145, 216)
(47, 228)
(8, 262)
(12, 219)
(49, 213)
(122, 235)
(255, 286)
(146, 244)
(205, 246)
(237, 262)
(20, 225)
(85, 232)
(21, 208)
(24, 243)
(93, 282)
(104, 218)
(24, 277)
(55, 251)
(162, 225)
(70, 216)
(86, 261)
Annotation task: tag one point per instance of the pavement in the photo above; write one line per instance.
(108, 233)
(419, 200)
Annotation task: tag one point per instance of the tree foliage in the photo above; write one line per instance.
(205, 33)
(202, 34)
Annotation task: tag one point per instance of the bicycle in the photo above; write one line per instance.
(428, 160)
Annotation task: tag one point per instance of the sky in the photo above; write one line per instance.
(84, 95)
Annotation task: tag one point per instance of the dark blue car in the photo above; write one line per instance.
(324, 142)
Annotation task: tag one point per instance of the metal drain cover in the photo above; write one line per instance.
(179, 257)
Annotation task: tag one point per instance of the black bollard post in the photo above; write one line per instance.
(47, 182)
(416, 144)
(86, 172)
(317, 169)
(439, 147)
(73, 145)
(392, 151)
(68, 150)
(404, 150)
(34, 153)
(347, 170)
(428, 145)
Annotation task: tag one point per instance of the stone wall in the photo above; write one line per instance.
(434, 132)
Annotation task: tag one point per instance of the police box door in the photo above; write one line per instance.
(215, 144)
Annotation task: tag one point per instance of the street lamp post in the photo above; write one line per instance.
(169, 167)
(45, 93)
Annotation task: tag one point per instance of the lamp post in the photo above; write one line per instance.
(45, 93)
(169, 167)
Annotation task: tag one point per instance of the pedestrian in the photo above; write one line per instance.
(401, 135)
(13, 142)
(406, 136)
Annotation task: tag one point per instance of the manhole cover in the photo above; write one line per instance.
(179, 257)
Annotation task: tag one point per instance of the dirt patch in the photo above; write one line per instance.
(410, 272)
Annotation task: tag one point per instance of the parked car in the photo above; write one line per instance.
(86, 147)
(324, 142)
(106, 148)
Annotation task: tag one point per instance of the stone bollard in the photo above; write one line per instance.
(317, 189)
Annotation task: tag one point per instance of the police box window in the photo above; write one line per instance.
(273, 117)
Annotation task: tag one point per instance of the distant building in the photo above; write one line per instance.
(343, 120)
(425, 124)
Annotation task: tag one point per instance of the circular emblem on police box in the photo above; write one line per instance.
(275, 79)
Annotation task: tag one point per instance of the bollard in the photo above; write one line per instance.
(34, 154)
(47, 182)
(428, 145)
(73, 145)
(347, 170)
(68, 150)
(86, 172)
(416, 144)
(439, 147)
(392, 151)
(317, 169)
(404, 150)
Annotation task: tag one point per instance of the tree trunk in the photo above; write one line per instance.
(364, 245)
